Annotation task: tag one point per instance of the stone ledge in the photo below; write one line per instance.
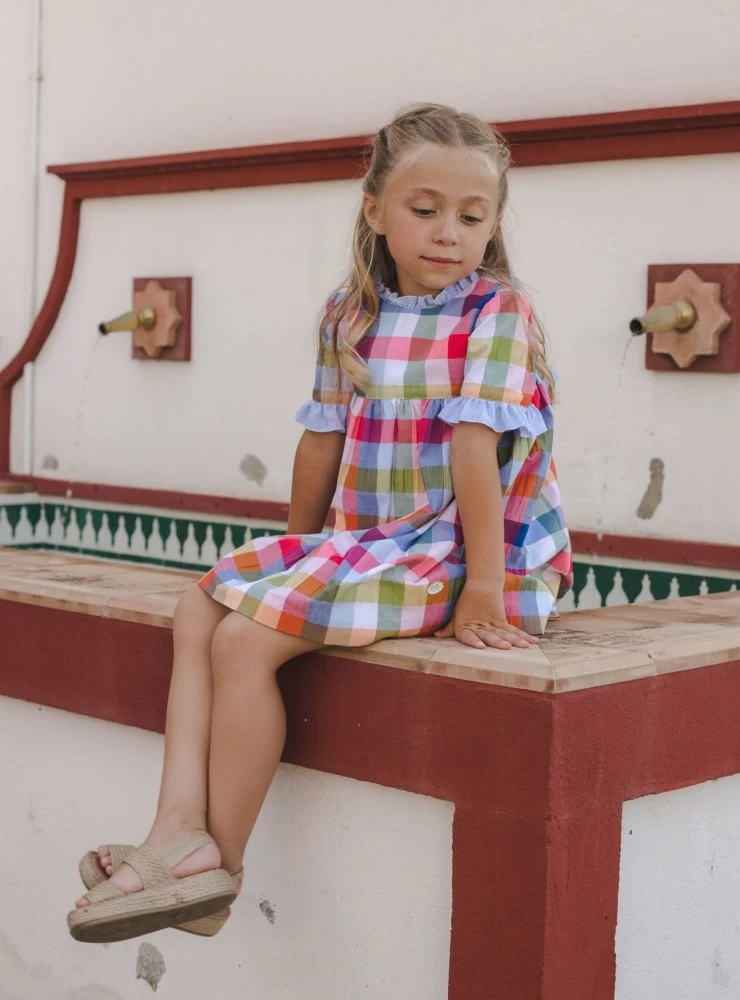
(583, 649)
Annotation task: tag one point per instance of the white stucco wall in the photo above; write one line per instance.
(16, 173)
(262, 261)
(229, 74)
(678, 930)
(356, 877)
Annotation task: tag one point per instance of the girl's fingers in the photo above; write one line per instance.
(500, 638)
(521, 634)
(469, 637)
(518, 638)
(477, 636)
(487, 637)
(496, 640)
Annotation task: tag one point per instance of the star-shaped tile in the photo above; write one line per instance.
(164, 332)
(711, 319)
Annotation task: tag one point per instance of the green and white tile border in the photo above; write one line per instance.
(177, 540)
(156, 537)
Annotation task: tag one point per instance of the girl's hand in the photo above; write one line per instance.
(480, 620)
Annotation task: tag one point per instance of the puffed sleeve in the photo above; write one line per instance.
(499, 387)
(327, 409)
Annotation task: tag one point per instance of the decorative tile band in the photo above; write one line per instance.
(175, 540)
(159, 538)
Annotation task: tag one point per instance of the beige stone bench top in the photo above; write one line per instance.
(582, 649)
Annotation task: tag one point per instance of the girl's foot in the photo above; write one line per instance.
(204, 859)
(106, 864)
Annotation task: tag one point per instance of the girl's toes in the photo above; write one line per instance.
(81, 902)
(109, 869)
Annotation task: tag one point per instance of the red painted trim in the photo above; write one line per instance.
(499, 899)
(536, 837)
(689, 130)
(213, 169)
(193, 503)
(47, 317)
(584, 848)
(709, 555)
(650, 132)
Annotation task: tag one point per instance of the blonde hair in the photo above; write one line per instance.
(353, 313)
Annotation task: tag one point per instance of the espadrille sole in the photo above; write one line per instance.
(154, 909)
(92, 873)
(206, 926)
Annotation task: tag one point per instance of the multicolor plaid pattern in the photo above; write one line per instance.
(394, 565)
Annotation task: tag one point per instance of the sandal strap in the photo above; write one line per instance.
(150, 866)
(104, 891)
(118, 854)
(188, 848)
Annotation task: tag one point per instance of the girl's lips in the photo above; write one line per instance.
(440, 262)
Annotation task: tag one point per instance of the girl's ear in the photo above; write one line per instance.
(371, 210)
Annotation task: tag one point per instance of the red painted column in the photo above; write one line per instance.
(610, 744)
(499, 890)
(580, 911)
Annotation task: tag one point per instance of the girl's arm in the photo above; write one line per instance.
(479, 619)
(315, 471)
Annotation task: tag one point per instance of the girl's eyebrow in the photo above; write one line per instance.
(438, 194)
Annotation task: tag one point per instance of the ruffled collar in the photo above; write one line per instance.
(416, 302)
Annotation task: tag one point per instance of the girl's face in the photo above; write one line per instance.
(437, 212)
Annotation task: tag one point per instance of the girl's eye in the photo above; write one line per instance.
(425, 213)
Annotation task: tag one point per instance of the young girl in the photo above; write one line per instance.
(431, 428)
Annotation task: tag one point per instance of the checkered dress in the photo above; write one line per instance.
(394, 564)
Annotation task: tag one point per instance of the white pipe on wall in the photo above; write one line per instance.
(28, 370)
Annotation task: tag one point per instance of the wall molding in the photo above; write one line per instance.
(645, 548)
(649, 132)
(136, 496)
(616, 135)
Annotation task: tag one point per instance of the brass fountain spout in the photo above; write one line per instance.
(679, 315)
(132, 320)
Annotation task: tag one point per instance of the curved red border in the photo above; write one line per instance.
(47, 317)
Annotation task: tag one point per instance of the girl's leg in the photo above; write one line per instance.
(248, 729)
(183, 796)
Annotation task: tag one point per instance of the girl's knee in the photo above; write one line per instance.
(242, 647)
(236, 641)
(196, 612)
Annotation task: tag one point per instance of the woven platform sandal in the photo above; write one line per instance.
(91, 870)
(165, 900)
(92, 873)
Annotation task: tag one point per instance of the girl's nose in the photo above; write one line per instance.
(446, 231)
